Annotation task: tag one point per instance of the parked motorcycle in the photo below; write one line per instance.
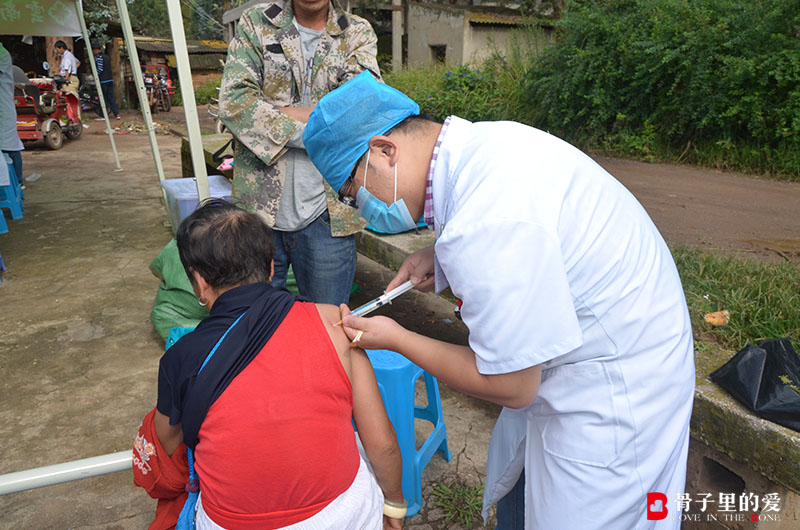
(158, 86)
(90, 101)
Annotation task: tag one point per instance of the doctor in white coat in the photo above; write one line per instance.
(577, 320)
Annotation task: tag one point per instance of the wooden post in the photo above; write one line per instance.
(116, 70)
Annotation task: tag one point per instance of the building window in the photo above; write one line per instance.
(439, 53)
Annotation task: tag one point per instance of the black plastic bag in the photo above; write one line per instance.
(766, 378)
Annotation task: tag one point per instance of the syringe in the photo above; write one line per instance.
(382, 300)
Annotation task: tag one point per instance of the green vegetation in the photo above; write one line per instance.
(715, 82)
(202, 94)
(763, 298)
(461, 503)
(709, 82)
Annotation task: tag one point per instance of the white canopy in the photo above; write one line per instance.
(47, 18)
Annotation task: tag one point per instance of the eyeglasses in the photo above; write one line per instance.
(346, 189)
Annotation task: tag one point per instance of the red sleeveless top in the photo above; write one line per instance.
(278, 445)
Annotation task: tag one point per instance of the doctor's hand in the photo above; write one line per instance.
(373, 333)
(415, 268)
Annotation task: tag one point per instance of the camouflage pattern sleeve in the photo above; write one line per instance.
(364, 44)
(255, 122)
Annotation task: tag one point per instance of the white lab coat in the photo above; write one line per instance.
(557, 264)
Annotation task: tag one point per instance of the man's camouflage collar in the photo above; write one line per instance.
(281, 17)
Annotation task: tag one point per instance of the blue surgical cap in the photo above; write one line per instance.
(340, 126)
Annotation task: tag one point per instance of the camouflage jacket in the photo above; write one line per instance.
(262, 74)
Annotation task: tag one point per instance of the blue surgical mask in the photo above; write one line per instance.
(392, 219)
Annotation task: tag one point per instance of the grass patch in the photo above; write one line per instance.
(763, 298)
(461, 503)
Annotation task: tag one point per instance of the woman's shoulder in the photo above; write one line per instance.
(330, 315)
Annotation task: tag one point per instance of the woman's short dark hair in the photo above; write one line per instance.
(60, 44)
(226, 245)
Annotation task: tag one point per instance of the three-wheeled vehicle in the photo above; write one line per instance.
(44, 111)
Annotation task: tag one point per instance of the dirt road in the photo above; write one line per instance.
(716, 211)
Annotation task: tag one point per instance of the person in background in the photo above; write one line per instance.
(285, 56)
(68, 70)
(9, 140)
(106, 80)
(69, 63)
(265, 391)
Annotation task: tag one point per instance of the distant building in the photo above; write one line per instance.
(458, 34)
(204, 55)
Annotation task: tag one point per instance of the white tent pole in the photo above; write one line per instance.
(59, 473)
(109, 130)
(133, 57)
(187, 94)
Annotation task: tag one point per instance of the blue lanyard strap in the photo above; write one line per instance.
(186, 517)
(220, 342)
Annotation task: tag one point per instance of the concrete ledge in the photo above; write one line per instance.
(390, 251)
(718, 420)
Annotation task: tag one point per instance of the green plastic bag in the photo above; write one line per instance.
(175, 303)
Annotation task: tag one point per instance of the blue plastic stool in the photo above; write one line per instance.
(3, 224)
(11, 195)
(176, 333)
(397, 377)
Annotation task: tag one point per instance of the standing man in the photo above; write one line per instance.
(69, 70)
(285, 56)
(9, 140)
(106, 80)
(69, 63)
(577, 320)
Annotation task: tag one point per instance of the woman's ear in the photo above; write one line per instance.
(385, 146)
(201, 288)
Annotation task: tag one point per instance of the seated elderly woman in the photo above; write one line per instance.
(263, 391)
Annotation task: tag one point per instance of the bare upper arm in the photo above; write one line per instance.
(341, 343)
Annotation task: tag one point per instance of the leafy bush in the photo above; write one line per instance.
(708, 81)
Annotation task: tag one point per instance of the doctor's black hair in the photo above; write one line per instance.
(413, 124)
(60, 44)
(226, 245)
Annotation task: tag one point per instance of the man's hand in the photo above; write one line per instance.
(416, 268)
(300, 114)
